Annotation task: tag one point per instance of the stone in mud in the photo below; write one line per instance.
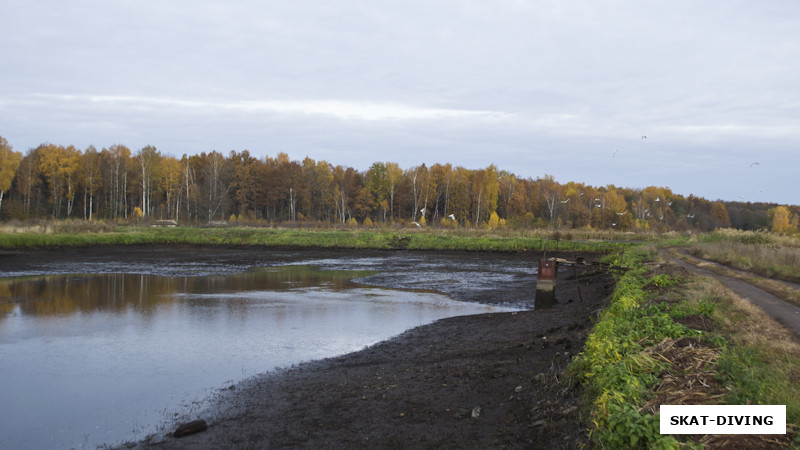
(185, 429)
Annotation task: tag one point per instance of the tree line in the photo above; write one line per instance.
(116, 183)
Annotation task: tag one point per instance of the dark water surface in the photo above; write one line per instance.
(101, 348)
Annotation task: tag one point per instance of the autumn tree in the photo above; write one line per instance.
(318, 193)
(148, 159)
(115, 179)
(289, 185)
(348, 186)
(616, 211)
(58, 165)
(418, 178)
(577, 213)
(171, 182)
(9, 162)
(460, 198)
(215, 183)
(90, 178)
(28, 181)
(441, 176)
(551, 192)
(780, 222)
(491, 186)
(244, 168)
(508, 185)
(394, 175)
(377, 186)
(719, 215)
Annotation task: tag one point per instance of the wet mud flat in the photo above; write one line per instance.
(484, 277)
(481, 381)
(485, 381)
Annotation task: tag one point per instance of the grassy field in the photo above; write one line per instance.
(767, 254)
(669, 337)
(380, 238)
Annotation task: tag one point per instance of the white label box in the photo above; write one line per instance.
(723, 419)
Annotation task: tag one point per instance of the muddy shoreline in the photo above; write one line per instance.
(483, 381)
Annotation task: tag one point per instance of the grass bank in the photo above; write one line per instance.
(669, 337)
(479, 240)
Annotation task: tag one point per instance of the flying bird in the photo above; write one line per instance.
(422, 211)
(452, 216)
(418, 225)
(691, 216)
(614, 155)
(644, 137)
(754, 164)
(565, 201)
(622, 213)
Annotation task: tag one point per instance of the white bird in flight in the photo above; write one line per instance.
(452, 216)
(565, 201)
(418, 225)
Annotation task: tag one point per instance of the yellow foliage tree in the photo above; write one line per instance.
(719, 215)
(780, 219)
(494, 221)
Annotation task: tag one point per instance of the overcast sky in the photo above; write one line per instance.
(535, 87)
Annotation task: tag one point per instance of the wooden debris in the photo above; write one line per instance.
(185, 429)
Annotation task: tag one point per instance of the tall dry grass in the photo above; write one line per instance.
(67, 226)
(767, 254)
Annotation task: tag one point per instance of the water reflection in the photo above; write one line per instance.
(103, 358)
(58, 295)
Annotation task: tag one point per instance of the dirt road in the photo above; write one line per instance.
(785, 312)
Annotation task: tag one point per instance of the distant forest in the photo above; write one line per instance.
(115, 183)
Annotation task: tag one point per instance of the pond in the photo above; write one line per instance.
(113, 353)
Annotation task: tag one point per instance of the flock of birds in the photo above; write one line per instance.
(450, 216)
(753, 164)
